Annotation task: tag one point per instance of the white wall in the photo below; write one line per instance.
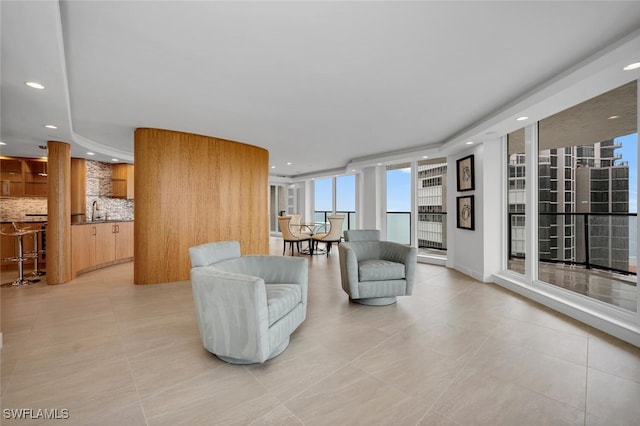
(371, 200)
(465, 249)
(477, 253)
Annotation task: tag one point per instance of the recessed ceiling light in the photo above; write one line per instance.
(34, 85)
(114, 159)
(469, 143)
(633, 66)
(613, 117)
(521, 118)
(425, 156)
(288, 163)
(91, 153)
(273, 167)
(3, 143)
(50, 126)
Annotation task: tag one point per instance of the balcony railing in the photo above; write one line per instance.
(399, 227)
(604, 241)
(322, 217)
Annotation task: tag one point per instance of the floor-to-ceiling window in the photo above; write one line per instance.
(346, 200)
(431, 203)
(277, 205)
(516, 235)
(399, 203)
(587, 198)
(323, 199)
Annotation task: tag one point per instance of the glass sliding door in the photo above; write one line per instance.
(323, 200)
(399, 203)
(346, 200)
(516, 235)
(587, 198)
(277, 205)
(431, 193)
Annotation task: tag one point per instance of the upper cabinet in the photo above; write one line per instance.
(122, 181)
(23, 177)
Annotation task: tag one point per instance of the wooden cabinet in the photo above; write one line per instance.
(83, 247)
(122, 181)
(35, 178)
(23, 177)
(124, 240)
(95, 245)
(11, 175)
(105, 243)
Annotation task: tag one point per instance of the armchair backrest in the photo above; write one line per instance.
(362, 235)
(210, 253)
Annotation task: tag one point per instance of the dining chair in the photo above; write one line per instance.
(291, 237)
(297, 225)
(334, 235)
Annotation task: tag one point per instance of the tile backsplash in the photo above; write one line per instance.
(98, 187)
(15, 208)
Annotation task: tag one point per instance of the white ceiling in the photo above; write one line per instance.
(323, 85)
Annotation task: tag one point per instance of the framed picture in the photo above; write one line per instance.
(466, 179)
(465, 212)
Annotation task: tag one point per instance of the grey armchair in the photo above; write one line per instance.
(374, 272)
(246, 306)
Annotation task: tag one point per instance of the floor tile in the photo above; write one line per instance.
(456, 352)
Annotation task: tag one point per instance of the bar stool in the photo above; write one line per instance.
(35, 254)
(21, 257)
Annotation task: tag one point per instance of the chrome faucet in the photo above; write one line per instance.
(94, 208)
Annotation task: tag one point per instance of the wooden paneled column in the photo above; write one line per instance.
(59, 213)
(78, 188)
(192, 189)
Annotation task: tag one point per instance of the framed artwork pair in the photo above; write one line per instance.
(465, 179)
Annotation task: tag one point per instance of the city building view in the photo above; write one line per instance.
(432, 206)
(586, 200)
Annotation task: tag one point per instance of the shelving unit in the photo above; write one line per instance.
(35, 178)
(12, 177)
(23, 177)
(122, 181)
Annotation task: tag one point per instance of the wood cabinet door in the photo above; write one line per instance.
(83, 247)
(105, 243)
(122, 181)
(124, 240)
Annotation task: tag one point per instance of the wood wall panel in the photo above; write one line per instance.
(78, 188)
(59, 213)
(192, 189)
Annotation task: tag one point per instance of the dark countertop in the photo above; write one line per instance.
(91, 222)
(24, 220)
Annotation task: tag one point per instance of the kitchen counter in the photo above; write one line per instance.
(92, 222)
(24, 220)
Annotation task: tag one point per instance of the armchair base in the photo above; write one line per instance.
(376, 301)
(277, 351)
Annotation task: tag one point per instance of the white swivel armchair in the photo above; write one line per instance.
(247, 306)
(375, 272)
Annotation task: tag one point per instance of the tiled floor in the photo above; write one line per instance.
(457, 352)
